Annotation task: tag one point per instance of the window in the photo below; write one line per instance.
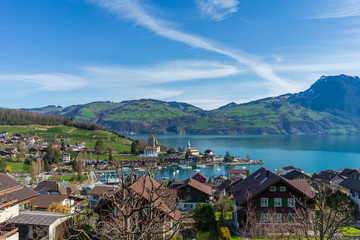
(277, 217)
(277, 202)
(272, 189)
(188, 189)
(264, 217)
(264, 202)
(282, 189)
(356, 194)
(291, 202)
(291, 217)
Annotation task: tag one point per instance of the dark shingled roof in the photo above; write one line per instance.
(22, 194)
(292, 167)
(224, 185)
(7, 182)
(328, 175)
(37, 218)
(14, 190)
(293, 174)
(351, 184)
(347, 171)
(64, 188)
(197, 185)
(44, 200)
(260, 180)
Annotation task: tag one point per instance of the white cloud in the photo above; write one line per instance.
(156, 93)
(173, 71)
(132, 10)
(277, 58)
(48, 82)
(217, 9)
(338, 9)
(319, 68)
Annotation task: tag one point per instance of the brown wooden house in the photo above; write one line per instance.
(272, 198)
(192, 193)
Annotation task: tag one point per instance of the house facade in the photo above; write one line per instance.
(219, 179)
(8, 210)
(199, 177)
(352, 185)
(191, 193)
(272, 198)
(66, 157)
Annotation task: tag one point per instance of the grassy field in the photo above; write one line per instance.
(69, 177)
(210, 235)
(351, 232)
(18, 167)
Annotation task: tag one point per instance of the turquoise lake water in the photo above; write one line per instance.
(311, 153)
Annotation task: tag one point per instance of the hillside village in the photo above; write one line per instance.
(41, 204)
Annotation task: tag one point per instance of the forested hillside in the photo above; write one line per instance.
(330, 106)
(20, 117)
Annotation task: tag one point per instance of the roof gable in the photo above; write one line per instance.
(197, 185)
(260, 181)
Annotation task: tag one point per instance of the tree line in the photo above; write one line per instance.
(20, 117)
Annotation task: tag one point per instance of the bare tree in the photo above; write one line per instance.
(333, 211)
(33, 170)
(141, 145)
(110, 151)
(79, 165)
(140, 209)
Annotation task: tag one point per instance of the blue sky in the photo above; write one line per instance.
(204, 52)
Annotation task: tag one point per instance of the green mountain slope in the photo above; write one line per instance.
(330, 106)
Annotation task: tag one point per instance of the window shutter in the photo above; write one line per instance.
(284, 202)
(271, 202)
(259, 202)
(286, 188)
(296, 203)
(259, 217)
(278, 189)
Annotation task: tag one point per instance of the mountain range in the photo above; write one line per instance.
(330, 106)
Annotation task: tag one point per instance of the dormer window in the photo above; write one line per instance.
(282, 189)
(272, 189)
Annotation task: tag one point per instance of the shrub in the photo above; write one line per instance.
(223, 232)
(203, 216)
(177, 237)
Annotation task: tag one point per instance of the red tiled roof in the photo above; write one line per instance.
(199, 174)
(164, 198)
(239, 171)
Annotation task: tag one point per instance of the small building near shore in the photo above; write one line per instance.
(199, 177)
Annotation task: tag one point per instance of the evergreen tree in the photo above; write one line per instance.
(228, 158)
(203, 216)
(133, 147)
(99, 146)
(63, 146)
